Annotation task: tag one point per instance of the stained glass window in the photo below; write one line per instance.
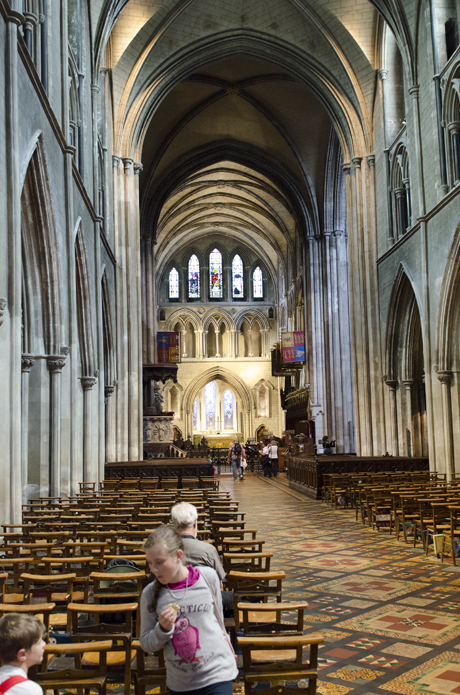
(237, 278)
(194, 278)
(195, 414)
(173, 284)
(210, 402)
(257, 284)
(215, 274)
(228, 409)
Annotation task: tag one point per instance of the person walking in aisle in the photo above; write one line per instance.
(236, 455)
(181, 612)
(273, 456)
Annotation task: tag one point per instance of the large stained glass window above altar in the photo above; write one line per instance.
(237, 278)
(173, 284)
(215, 274)
(194, 278)
(257, 284)
(228, 409)
(210, 404)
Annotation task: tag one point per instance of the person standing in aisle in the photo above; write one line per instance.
(273, 456)
(236, 454)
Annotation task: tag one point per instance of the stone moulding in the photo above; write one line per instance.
(3, 303)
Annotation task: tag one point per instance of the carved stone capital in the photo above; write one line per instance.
(115, 161)
(55, 365)
(357, 162)
(108, 391)
(3, 303)
(95, 89)
(370, 160)
(383, 74)
(88, 382)
(392, 384)
(103, 72)
(138, 167)
(65, 350)
(346, 168)
(408, 383)
(445, 376)
(414, 91)
(27, 362)
(127, 163)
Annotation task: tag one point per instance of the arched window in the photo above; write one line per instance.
(237, 278)
(257, 284)
(173, 284)
(228, 409)
(215, 274)
(194, 278)
(210, 404)
(195, 414)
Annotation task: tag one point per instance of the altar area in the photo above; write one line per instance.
(217, 440)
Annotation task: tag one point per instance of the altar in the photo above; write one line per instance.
(218, 441)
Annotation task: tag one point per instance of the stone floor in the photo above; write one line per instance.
(390, 615)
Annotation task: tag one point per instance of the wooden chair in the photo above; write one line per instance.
(452, 534)
(121, 634)
(275, 658)
(152, 676)
(247, 562)
(232, 545)
(438, 525)
(267, 618)
(57, 589)
(117, 587)
(147, 484)
(260, 585)
(43, 612)
(76, 678)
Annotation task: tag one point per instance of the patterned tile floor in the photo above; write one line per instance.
(390, 615)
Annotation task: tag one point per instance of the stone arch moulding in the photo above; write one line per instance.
(349, 114)
(398, 313)
(250, 316)
(169, 386)
(448, 311)
(216, 317)
(41, 268)
(84, 311)
(233, 380)
(183, 316)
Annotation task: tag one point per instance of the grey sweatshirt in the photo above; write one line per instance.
(196, 651)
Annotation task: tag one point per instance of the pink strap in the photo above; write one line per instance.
(10, 682)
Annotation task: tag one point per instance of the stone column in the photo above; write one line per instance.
(454, 132)
(408, 383)
(392, 385)
(205, 344)
(87, 383)
(408, 204)
(250, 345)
(199, 344)
(263, 340)
(445, 377)
(134, 307)
(28, 28)
(418, 151)
(55, 366)
(149, 285)
(184, 338)
(28, 362)
(110, 429)
(399, 195)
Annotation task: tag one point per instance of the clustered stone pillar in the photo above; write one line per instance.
(445, 377)
(28, 362)
(110, 431)
(392, 385)
(87, 383)
(55, 366)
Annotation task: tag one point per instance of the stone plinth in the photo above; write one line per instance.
(158, 435)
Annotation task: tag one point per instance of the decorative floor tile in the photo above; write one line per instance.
(439, 676)
(353, 674)
(366, 643)
(356, 603)
(329, 574)
(331, 689)
(337, 610)
(411, 651)
(415, 601)
(331, 635)
(376, 573)
(341, 653)
(324, 663)
(335, 562)
(382, 661)
(431, 627)
(372, 587)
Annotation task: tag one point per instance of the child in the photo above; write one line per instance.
(21, 646)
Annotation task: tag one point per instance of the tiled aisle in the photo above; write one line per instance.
(389, 615)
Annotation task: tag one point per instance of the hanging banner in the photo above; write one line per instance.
(293, 346)
(168, 344)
